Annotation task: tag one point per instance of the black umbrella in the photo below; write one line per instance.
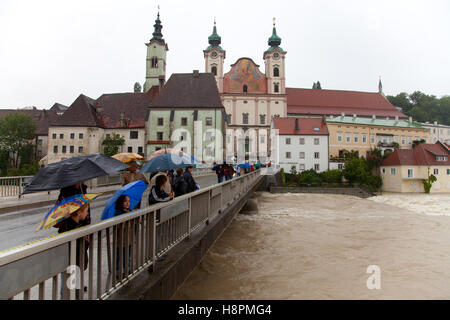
(73, 170)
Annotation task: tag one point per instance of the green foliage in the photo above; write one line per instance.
(332, 176)
(415, 143)
(423, 107)
(16, 131)
(283, 176)
(137, 87)
(309, 177)
(294, 170)
(112, 144)
(374, 158)
(357, 171)
(428, 183)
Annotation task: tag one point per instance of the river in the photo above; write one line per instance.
(308, 246)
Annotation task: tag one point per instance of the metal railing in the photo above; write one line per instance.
(117, 249)
(13, 186)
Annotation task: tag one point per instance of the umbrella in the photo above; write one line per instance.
(127, 157)
(64, 208)
(168, 161)
(73, 170)
(245, 165)
(133, 190)
(172, 151)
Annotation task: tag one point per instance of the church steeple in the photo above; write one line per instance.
(157, 35)
(274, 40)
(214, 39)
(380, 87)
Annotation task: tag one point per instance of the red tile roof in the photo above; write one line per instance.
(334, 102)
(286, 126)
(42, 118)
(421, 155)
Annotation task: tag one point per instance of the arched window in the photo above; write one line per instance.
(276, 87)
(245, 88)
(154, 62)
(214, 70)
(276, 72)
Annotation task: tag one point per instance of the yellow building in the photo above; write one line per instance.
(404, 169)
(360, 134)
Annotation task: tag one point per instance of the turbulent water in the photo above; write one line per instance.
(307, 246)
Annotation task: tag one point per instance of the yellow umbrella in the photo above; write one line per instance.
(127, 157)
(64, 208)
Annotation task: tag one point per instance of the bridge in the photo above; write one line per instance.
(146, 254)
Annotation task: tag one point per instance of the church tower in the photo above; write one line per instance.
(156, 58)
(274, 59)
(214, 57)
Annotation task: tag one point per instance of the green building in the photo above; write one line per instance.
(188, 115)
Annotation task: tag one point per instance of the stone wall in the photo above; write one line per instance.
(355, 191)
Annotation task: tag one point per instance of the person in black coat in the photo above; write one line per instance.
(179, 185)
(190, 182)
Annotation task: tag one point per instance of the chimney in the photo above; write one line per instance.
(98, 107)
(297, 128)
(396, 118)
(122, 119)
(410, 120)
(196, 74)
(435, 123)
(374, 117)
(354, 115)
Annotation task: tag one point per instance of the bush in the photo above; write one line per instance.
(309, 177)
(332, 176)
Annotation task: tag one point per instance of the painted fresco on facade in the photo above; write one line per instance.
(245, 72)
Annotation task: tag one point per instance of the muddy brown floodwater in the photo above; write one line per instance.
(307, 246)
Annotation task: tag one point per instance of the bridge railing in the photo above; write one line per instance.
(13, 186)
(117, 249)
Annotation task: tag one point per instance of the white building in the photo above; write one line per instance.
(438, 132)
(302, 143)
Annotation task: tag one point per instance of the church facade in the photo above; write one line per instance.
(251, 97)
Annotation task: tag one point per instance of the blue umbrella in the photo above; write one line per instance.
(168, 161)
(133, 190)
(245, 165)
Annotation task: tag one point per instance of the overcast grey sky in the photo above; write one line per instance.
(53, 50)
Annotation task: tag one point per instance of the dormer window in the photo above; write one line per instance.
(245, 88)
(441, 158)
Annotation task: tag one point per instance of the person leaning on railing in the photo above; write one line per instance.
(157, 193)
(133, 175)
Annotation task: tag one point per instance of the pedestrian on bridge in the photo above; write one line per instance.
(133, 175)
(191, 184)
(78, 188)
(179, 184)
(220, 172)
(157, 193)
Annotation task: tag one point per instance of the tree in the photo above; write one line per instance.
(314, 86)
(137, 87)
(415, 143)
(112, 144)
(428, 183)
(17, 131)
(318, 85)
(356, 171)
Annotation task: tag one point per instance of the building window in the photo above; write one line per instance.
(55, 149)
(383, 170)
(301, 167)
(39, 142)
(80, 149)
(183, 136)
(441, 158)
(159, 136)
(134, 134)
(154, 62)
(409, 140)
(448, 171)
(214, 70)
(288, 155)
(403, 140)
(396, 139)
(276, 87)
(159, 148)
(347, 137)
(364, 138)
(72, 149)
(316, 167)
(356, 138)
(316, 155)
(340, 166)
(372, 138)
(208, 121)
(288, 140)
(72, 136)
(410, 173)
(262, 119)
(130, 149)
(302, 155)
(339, 137)
(276, 72)
(184, 121)
(80, 136)
(160, 121)
(54, 136)
(64, 149)
(208, 136)
(61, 135)
(140, 150)
(316, 141)
(302, 141)
(436, 172)
(262, 139)
(208, 151)
(108, 135)
(244, 88)
(393, 171)
(245, 118)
